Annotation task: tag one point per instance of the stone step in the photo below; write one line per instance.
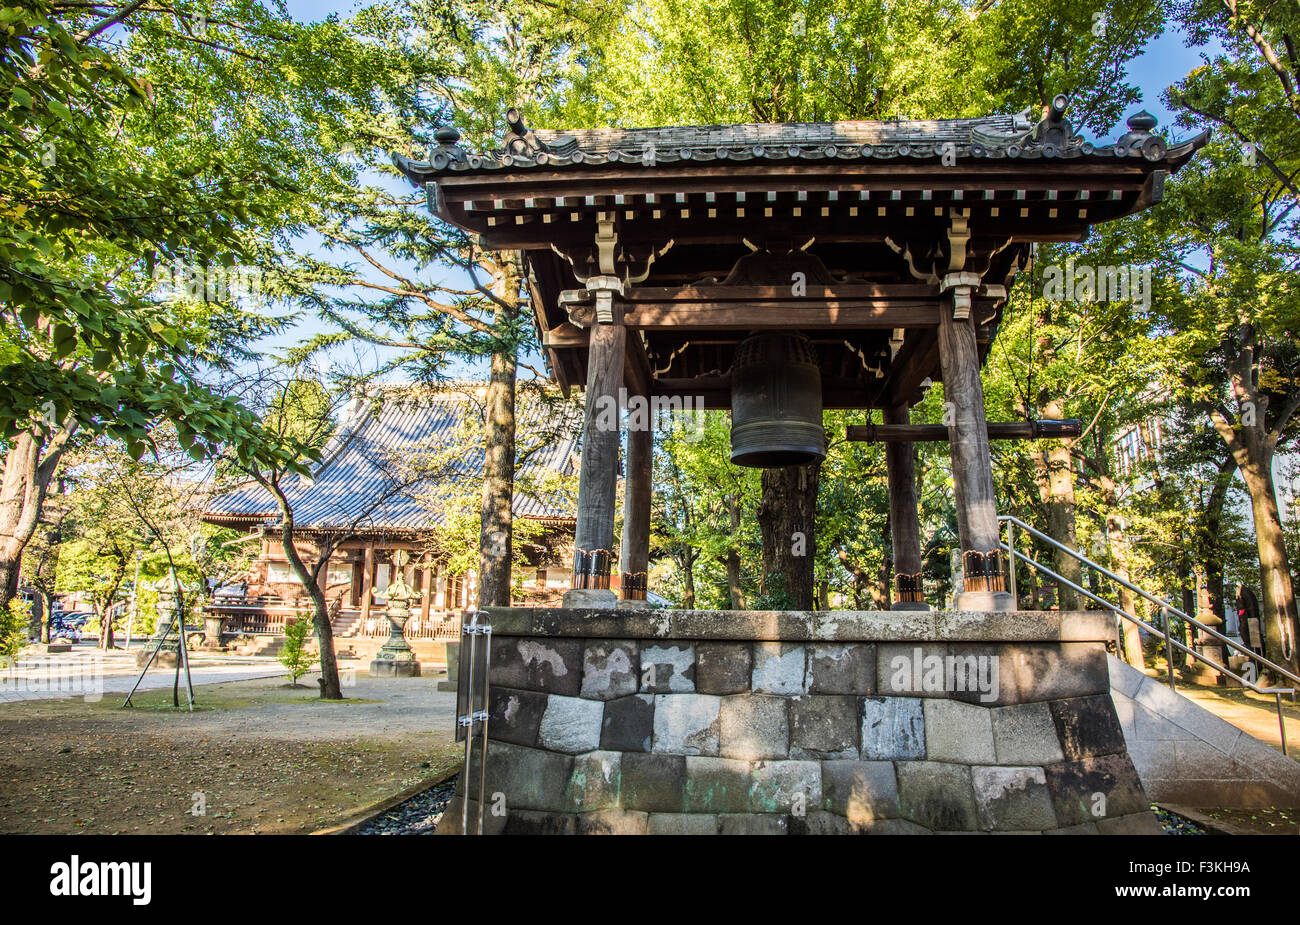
(1186, 754)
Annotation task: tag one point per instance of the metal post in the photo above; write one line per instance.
(135, 600)
(475, 630)
(1011, 565)
(183, 652)
(1169, 647)
(467, 720)
(483, 745)
(1281, 719)
(152, 655)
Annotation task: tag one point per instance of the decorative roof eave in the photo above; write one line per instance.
(412, 532)
(996, 138)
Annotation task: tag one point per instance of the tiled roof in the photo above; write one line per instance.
(383, 468)
(995, 137)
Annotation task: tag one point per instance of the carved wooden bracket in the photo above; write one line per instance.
(962, 284)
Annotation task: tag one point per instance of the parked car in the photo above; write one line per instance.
(67, 622)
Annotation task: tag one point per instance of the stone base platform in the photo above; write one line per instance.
(735, 722)
(394, 668)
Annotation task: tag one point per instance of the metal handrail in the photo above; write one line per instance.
(476, 630)
(1170, 642)
(1163, 605)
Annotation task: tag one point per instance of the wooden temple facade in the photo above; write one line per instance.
(371, 491)
(882, 252)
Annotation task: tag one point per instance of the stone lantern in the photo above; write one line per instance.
(395, 659)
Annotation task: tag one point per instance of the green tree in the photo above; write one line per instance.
(1233, 247)
(296, 655)
(143, 144)
(15, 628)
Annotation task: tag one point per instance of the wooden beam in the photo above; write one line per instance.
(972, 465)
(787, 314)
(914, 363)
(938, 433)
(566, 335)
(845, 292)
(637, 374)
(761, 177)
(835, 228)
(904, 524)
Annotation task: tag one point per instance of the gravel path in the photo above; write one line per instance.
(1177, 825)
(417, 816)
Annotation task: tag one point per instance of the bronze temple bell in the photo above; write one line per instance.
(776, 402)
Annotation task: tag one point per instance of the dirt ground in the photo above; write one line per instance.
(254, 757)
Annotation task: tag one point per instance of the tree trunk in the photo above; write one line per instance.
(880, 597)
(1056, 484)
(330, 689)
(787, 520)
(1277, 595)
(688, 581)
(1211, 551)
(496, 537)
(734, 589)
(106, 625)
(47, 601)
(22, 492)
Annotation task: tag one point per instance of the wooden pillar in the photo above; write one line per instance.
(367, 580)
(634, 551)
(440, 591)
(968, 444)
(903, 521)
(426, 591)
(598, 479)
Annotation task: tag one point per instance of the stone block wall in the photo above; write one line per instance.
(696, 722)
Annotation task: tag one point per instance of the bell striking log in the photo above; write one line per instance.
(776, 402)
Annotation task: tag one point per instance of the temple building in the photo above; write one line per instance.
(403, 465)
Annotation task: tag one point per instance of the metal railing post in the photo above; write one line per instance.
(1281, 719)
(1167, 612)
(1169, 648)
(1011, 565)
(483, 715)
(475, 630)
(466, 719)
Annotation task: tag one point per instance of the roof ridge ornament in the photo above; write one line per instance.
(521, 141)
(448, 150)
(1140, 141)
(1054, 135)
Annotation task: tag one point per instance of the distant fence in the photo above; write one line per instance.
(267, 616)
